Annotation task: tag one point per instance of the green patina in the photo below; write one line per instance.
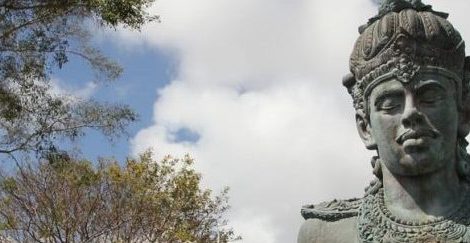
(409, 83)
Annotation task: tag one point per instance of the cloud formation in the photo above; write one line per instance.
(258, 87)
(61, 88)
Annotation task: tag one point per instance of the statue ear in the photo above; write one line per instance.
(464, 117)
(363, 127)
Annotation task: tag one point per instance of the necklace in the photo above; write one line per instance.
(377, 224)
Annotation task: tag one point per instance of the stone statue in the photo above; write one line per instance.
(409, 82)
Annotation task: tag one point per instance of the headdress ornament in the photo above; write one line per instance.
(405, 39)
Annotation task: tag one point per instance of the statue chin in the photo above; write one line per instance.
(420, 162)
(415, 165)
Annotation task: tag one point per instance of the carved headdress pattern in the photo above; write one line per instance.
(405, 38)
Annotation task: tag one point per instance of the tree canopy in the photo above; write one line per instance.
(56, 198)
(66, 200)
(38, 37)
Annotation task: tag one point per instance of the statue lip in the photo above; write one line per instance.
(412, 134)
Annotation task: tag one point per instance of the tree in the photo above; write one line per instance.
(38, 37)
(67, 200)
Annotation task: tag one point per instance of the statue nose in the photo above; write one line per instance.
(411, 115)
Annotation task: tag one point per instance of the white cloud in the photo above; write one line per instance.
(260, 82)
(72, 92)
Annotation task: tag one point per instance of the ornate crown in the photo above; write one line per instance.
(406, 38)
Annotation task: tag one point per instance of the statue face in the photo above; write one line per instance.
(414, 125)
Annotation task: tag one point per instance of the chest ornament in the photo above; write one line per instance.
(377, 224)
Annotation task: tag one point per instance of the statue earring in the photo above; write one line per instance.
(375, 184)
(463, 166)
(377, 166)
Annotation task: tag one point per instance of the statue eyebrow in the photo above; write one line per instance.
(387, 93)
(428, 83)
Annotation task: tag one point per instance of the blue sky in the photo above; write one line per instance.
(252, 90)
(145, 71)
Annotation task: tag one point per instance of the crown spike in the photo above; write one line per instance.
(388, 6)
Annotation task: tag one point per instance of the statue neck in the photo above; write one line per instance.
(424, 197)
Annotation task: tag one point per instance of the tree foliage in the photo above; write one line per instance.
(60, 199)
(38, 37)
(66, 200)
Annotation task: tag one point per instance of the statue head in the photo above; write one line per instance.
(409, 82)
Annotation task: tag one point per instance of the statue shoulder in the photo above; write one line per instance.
(319, 231)
(333, 221)
(333, 210)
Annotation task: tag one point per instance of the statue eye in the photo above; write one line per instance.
(431, 95)
(389, 103)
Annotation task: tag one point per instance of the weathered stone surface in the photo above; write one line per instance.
(409, 82)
